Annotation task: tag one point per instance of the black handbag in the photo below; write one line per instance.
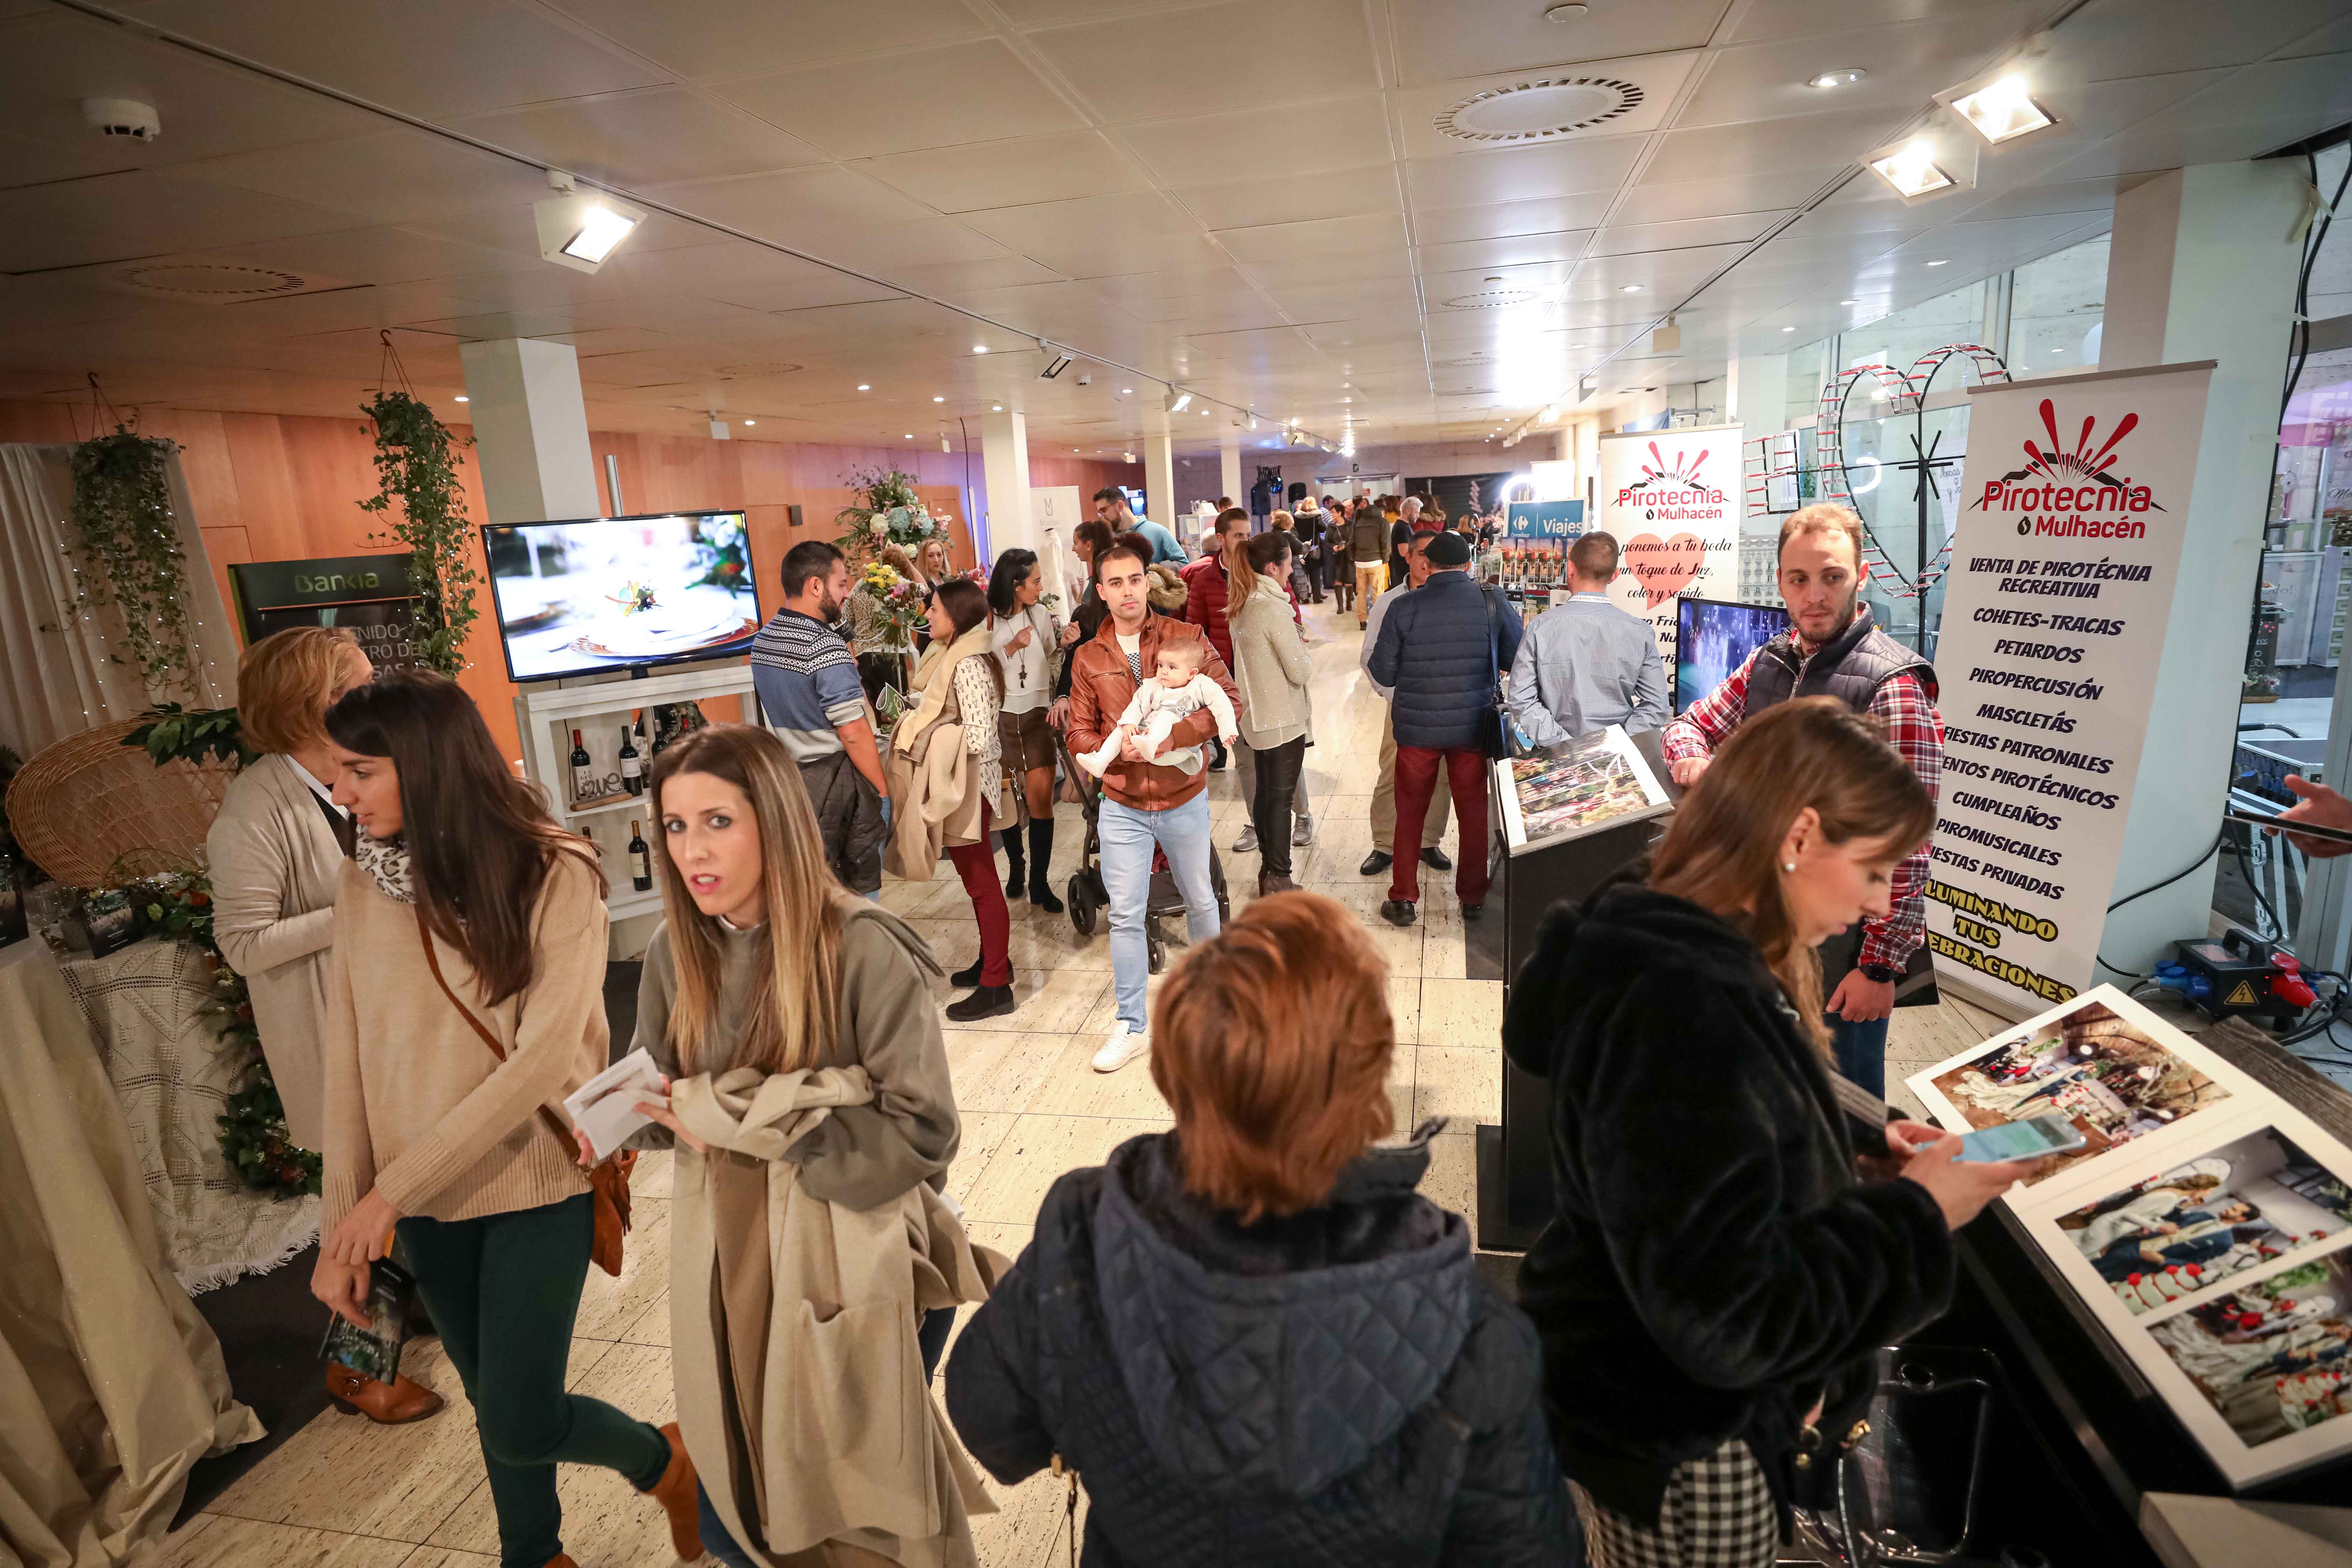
(1494, 734)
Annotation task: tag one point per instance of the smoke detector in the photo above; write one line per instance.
(124, 118)
(1542, 110)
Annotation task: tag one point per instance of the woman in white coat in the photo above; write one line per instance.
(275, 850)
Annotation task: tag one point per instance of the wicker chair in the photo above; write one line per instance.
(94, 813)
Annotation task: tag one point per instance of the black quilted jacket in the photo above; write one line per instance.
(1336, 1387)
(1438, 650)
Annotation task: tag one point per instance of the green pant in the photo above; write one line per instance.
(503, 1291)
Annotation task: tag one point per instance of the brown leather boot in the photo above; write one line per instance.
(675, 1492)
(389, 1404)
(561, 1560)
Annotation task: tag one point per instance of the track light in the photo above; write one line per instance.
(1052, 361)
(1176, 402)
(580, 231)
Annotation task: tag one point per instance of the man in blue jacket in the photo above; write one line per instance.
(1440, 649)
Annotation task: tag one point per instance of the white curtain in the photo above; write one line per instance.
(58, 672)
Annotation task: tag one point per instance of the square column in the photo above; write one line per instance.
(1229, 466)
(1004, 460)
(530, 430)
(1160, 480)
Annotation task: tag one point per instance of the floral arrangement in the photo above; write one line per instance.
(895, 604)
(889, 513)
(730, 565)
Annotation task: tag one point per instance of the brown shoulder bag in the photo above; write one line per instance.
(609, 1181)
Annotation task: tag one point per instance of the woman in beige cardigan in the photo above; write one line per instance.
(945, 770)
(465, 1000)
(1271, 669)
(809, 1098)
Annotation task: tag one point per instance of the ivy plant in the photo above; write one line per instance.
(126, 542)
(416, 468)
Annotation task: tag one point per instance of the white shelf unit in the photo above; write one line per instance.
(545, 716)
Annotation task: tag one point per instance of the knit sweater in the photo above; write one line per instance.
(417, 1107)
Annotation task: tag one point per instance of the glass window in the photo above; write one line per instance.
(2055, 312)
(1804, 394)
(1901, 339)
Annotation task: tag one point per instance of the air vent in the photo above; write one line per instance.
(760, 367)
(210, 284)
(1542, 111)
(1491, 299)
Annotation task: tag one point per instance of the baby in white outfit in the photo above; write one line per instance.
(1176, 689)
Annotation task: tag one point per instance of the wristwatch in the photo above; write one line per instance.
(1884, 973)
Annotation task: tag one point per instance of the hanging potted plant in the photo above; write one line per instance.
(126, 547)
(416, 466)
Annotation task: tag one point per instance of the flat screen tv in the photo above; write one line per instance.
(616, 593)
(1713, 638)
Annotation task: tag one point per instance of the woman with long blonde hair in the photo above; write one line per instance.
(1717, 1273)
(809, 1102)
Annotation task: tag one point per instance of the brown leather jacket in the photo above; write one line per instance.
(1100, 688)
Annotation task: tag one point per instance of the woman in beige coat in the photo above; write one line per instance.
(813, 1266)
(1271, 669)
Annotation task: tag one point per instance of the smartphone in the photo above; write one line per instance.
(2308, 829)
(2027, 1140)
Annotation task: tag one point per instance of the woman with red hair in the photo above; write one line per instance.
(1251, 1334)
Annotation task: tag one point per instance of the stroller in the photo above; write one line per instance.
(1088, 900)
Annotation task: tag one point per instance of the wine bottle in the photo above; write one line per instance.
(633, 766)
(641, 860)
(583, 774)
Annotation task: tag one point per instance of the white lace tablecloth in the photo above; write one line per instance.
(173, 1073)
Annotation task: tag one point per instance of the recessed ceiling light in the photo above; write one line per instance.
(862, 386)
(748, 423)
(996, 408)
(1629, 288)
(1849, 301)
(1837, 76)
(910, 435)
(980, 348)
(939, 400)
(1126, 392)
(1912, 172)
(1788, 329)
(1568, 12)
(1941, 261)
(2002, 111)
(463, 398)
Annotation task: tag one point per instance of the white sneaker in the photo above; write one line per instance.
(1121, 1048)
(1247, 841)
(1302, 831)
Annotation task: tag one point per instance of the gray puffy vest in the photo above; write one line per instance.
(1851, 669)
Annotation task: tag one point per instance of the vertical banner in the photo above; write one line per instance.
(2073, 503)
(1670, 499)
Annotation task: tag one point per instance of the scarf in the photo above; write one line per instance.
(386, 860)
(935, 679)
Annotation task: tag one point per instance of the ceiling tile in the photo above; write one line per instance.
(1795, 142)
(1141, 231)
(1199, 63)
(386, 178)
(1713, 198)
(1138, 286)
(796, 206)
(25, 161)
(643, 138)
(1574, 167)
(714, 36)
(1787, 18)
(1440, 40)
(978, 91)
(933, 241)
(1010, 173)
(1297, 138)
(1375, 232)
(2144, 38)
(953, 279)
(111, 218)
(427, 57)
(380, 255)
(1518, 250)
(1501, 220)
(1627, 239)
(1345, 193)
(1908, 65)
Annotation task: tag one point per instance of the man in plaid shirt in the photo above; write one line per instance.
(1834, 648)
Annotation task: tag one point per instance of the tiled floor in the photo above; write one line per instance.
(343, 1494)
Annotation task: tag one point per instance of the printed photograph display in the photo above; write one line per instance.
(1572, 789)
(2104, 1074)
(2249, 1202)
(2275, 1357)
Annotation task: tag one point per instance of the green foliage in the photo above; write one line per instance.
(198, 734)
(890, 513)
(2296, 1279)
(417, 467)
(127, 543)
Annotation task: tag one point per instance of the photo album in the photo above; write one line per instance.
(1577, 788)
(2205, 1222)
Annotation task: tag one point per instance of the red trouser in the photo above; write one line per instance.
(976, 863)
(1416, 780)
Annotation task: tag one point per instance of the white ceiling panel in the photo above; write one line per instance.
(1907, 65)
(378, 255)
(2145, 37)
(115, 217)
(1198, 63)
(1364, 266)
(1298, 138)
(1765, 19)
(1518, 250)
(954, 279)
(977, 91)
(1503, 220)
(390, 177)
(1575, 167)
(1439, 40)
(25, 161)
(796, 206)
(1010, 173)
(1094, 236)
(936, 241)
(1169, 285)
(1341, 193)
(1794, 142)
(1374, 233)
(427, 57)
(647, 138)
(712, 38)
(1627, 239)
(1688, 199)
(1643, 88)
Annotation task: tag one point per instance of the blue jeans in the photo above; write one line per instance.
(1861, 1052)
(931, 1335)
(1127, 835)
